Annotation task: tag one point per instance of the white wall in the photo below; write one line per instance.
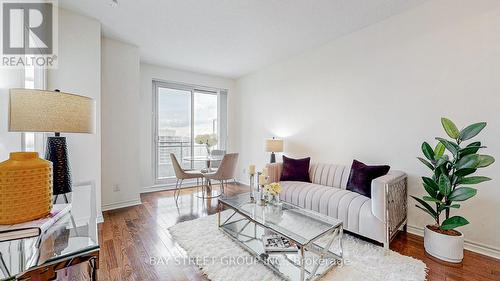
(79, 71)
(9, 142)
(376, 94)
(120, 124)
(152, 72)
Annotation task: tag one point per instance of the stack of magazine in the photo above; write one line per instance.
(274, 243)
(33, 228)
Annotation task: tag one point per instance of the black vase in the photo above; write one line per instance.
(57, 153)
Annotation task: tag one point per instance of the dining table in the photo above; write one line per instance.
(207, 190)
(208, 159)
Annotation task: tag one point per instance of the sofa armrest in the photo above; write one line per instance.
(274, 171)
(389, 197)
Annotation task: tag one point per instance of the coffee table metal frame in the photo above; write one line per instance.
(335, 232)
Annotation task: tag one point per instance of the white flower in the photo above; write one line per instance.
(206, 139)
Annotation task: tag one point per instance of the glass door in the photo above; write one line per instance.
(205, 125)
(173, 130)
(185, 116)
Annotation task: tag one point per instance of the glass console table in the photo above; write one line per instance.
(318, 237)
(70, 241)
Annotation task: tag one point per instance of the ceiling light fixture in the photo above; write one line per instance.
(113, 3)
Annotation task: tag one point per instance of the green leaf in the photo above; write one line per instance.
(471, 148)
(453, 222)
(485, 161)
(452, 147)
(450, 128)
(444, 185)
(426, 163)
(476, 143)
(430, 182)
(464, 172)
(427, 150)
(468, 162)
(471, 131)
(444, 207)
(430, 186)
(443, 160)
(431, 199)
(439, 150)
(430, 190)
(462, 194)
(473, 180)
(427, 207)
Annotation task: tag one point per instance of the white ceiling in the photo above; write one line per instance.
(231, 38)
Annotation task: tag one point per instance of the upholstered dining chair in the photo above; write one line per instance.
(182, 174)
(214, 164)
(226, 170)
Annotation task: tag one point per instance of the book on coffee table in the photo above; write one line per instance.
(276, 243)
(33, 228)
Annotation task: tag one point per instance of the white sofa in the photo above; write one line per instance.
(377, 218)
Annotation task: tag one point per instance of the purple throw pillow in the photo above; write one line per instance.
(295, 169)
(361, 176)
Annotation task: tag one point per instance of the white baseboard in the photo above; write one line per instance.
(155, 188)
(468, 245)
(100, 218)
(123, 204)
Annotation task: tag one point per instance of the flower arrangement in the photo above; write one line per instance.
(208, 140)
(272, 188)
(272, 192)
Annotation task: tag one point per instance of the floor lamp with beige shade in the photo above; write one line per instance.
(56, 112)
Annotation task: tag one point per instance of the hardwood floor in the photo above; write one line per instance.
(136, 245)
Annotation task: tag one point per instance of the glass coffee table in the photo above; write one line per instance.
(318, 237)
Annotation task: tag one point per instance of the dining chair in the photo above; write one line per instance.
(215, 164)
(182, 175)
(226, 170)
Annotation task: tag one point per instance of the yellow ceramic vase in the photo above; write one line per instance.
(25, 188)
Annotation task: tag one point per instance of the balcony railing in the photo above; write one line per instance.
(181, 149)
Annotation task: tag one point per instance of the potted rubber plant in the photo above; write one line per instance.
(454, 163)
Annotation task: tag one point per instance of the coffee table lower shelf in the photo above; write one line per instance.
(310, 262)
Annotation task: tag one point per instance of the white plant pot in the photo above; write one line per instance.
(444, 247)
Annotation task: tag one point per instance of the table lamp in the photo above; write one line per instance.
(57, 112)
(274, 145)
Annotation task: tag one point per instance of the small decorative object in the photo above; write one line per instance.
(274, 145)
(261, 183)
(452, 174)
(262, 179)
(208, 140)
(265, 172)
(273, 191)
(57, 112)
(25, 188)
(251, 169)
(278, 243)
(251, 172)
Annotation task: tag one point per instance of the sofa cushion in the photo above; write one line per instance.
(295, 169)
(361, 176)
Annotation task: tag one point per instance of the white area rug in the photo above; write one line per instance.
(210, 248)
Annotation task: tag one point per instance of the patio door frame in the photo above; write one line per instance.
(157, 84)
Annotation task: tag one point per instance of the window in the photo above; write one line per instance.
(34, 78)
(183, 112)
